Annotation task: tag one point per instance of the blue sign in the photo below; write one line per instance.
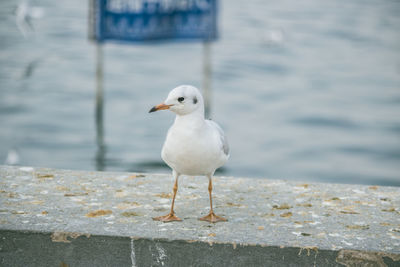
(149, 20)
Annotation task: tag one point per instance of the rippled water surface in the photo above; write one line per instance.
(306, 91)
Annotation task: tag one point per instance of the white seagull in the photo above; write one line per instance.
(194, 145)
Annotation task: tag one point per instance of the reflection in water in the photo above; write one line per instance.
(101, 148)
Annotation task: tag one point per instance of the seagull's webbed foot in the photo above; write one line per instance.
(167, 218)
(211, 217)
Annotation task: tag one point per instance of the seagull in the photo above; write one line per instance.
(194, 145)
(24, 14)
(12, 157)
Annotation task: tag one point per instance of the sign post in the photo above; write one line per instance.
(99, 109)
(207, 78)
(138, 21)
(152, 20)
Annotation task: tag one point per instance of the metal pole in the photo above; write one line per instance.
(100, 154)
(207, 78)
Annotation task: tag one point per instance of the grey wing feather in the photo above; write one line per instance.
(224, 140)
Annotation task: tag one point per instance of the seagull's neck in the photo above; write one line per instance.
(191, 120)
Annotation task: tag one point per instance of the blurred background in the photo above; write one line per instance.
(306, 91)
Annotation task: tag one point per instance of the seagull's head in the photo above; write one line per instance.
(182, 100)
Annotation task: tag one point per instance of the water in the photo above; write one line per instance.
(305, 91)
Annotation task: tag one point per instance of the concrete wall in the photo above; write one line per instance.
(68, 218)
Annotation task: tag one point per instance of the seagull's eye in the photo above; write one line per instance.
(180, 99)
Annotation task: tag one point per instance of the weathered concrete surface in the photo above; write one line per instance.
(51, 217)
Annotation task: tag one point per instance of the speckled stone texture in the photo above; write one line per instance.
(269, 221)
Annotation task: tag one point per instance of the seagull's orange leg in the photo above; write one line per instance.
(170, 217)
(211, 217)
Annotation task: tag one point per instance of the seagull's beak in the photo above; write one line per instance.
(159, 107)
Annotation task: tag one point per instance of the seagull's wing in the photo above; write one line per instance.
(224, 140)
